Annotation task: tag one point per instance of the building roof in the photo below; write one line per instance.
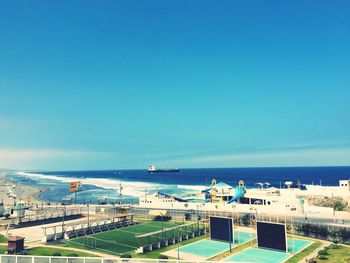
(20, 207)
(223, 185)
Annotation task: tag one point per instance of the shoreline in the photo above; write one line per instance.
(33, 194)
(29, 194)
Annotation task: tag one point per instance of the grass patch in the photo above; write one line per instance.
(235, 250)
(151, 254)
(123, 241)
(340, 254)
(3, 249)
(48, 251)
(156, 253)
(305, 252)
(3, 239)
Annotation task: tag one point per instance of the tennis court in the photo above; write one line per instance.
(205, 248)
(266, 255)
(122, 240)
(208, 248)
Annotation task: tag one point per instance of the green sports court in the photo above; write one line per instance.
(127, 239)
(266, 255)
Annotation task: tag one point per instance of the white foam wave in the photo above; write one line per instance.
(51, 177)
(137, 189)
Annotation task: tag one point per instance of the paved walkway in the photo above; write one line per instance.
(315, 252)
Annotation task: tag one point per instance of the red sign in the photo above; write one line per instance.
(74, 187)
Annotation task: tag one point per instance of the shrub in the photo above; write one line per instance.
(245, 220)
(323, 252)
(322, 257)
(56, 254)
(339, 205)
(126, 256)
(162, 218)
(305, 228)
(344, 234)
(335, 244)
(322, 231)
(188, 216)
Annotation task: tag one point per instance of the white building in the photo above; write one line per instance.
(344, 184)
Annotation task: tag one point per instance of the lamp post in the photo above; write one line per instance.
(178, 245)
(256, 214)
(198, 219)
(64, 214)
(88, 216)
(162, 215)
(230, 234)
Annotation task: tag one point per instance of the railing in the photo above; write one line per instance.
(46, 259)
(180, 213)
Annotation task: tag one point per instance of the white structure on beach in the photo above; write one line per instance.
(344, 184)
(271, 200)
(19, 210)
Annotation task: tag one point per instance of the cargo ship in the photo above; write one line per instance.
(153, 169)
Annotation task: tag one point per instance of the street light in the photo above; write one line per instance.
(64, 213)
(198, 219)
(178, 244)
(230, 234)
(88, 216)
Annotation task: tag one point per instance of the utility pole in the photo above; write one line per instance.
(230, 234)
(88, 216)
(292, 226)
(162, 225)
(81, 185)
(198, 219)
(120, 193)
(58, 197)
(64, 214)
(178, 244)
(20, 211)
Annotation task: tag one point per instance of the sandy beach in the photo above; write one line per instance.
(29, 194)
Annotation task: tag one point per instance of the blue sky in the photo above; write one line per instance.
(122, 84)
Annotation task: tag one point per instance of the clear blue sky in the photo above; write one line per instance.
(122, 84)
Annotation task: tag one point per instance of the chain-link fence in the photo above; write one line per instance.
(321, 228)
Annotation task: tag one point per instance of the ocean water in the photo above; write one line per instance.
(137, 183)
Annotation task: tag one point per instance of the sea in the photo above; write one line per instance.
(127, 186)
